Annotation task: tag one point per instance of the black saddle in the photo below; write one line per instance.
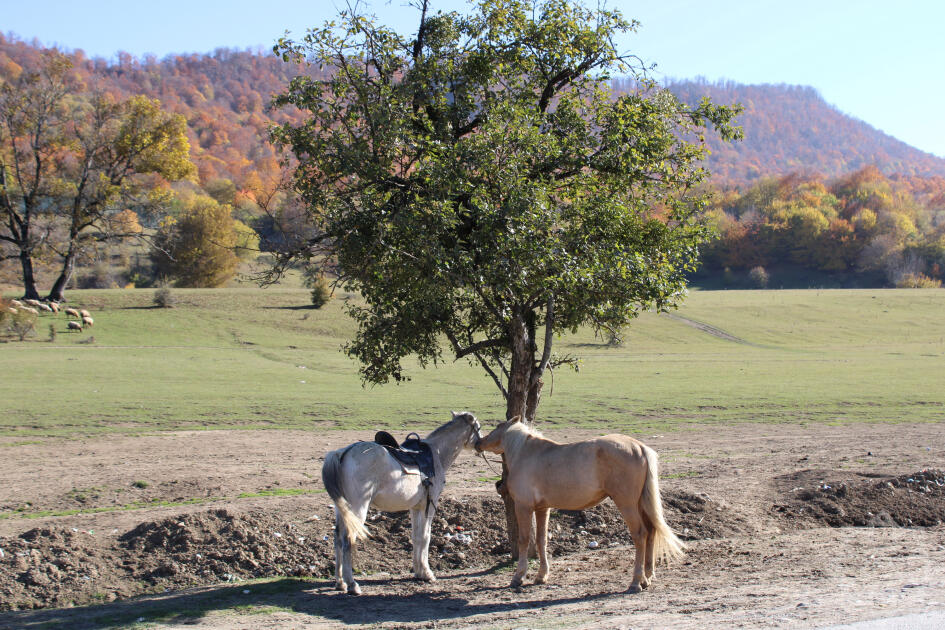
(412, 452)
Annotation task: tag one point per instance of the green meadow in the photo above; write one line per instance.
(261, 358)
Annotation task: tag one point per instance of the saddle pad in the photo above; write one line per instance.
(414, 453)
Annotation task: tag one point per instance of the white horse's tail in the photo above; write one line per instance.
(666, 545)
(331, 477)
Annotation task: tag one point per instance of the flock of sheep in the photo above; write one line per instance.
(36, 307)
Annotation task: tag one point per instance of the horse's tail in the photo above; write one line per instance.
(666, 545)
(331, 477)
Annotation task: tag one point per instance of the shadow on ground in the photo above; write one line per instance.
(312, 597)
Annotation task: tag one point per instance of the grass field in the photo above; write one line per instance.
(261, 358)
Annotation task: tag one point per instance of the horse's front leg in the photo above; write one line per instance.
(541, 539)
(420, 530)
(523, 514)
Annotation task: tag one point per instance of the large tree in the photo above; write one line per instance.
(32, 120)
(117, 150)
(73, 160)
(483, 189)
(197, 248)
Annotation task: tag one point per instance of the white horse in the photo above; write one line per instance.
(364, 474)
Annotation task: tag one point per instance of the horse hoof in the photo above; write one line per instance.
(354, 590)
(541, 579)
(341, 586)
(634, 589)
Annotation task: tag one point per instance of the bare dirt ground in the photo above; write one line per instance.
(788, 526)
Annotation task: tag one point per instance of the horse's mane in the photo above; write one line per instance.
(445, 427)
(516, 435)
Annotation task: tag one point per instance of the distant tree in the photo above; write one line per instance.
(197, 248)
(32, 134)
(70, 162)
(118, 147)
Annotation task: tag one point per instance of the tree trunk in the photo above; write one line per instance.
(520, 393)
(534, 397)
(29, 279)
(57, 293)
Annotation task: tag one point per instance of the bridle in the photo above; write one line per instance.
(480, 452)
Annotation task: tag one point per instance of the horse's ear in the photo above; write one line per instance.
(454, 414)
(515, 419)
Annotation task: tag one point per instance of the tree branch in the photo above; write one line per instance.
(549, 338)
(476, 347)
(485, 365)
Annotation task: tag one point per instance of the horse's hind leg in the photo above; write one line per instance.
(650, 542)
(340, 534)
(639, 532)
(360, 511)
(523, 514)
(414, 541)
(541, 539)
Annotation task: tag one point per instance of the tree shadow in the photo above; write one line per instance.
(299, 595)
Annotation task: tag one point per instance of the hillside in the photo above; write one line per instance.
(225, 95)
(791, 128)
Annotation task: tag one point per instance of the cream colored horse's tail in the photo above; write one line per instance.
(666, 545)
(331, 477)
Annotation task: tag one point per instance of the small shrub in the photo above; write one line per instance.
(758, 277)
(163, 298)
(918, 281)
(321, 292)
(141, 484)
(22, 324)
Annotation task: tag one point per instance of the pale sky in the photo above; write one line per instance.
(880, 61)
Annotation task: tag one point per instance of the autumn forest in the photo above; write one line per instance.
(810, 197)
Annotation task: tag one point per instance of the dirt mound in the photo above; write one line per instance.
(59, 567)
(840, 498)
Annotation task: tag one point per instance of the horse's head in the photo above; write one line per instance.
(493, 441)
(473, 427)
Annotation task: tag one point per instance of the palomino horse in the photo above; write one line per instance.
(364, 474)
(544, 474)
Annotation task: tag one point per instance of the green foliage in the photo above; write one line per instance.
(479, 182)
(197, 249)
